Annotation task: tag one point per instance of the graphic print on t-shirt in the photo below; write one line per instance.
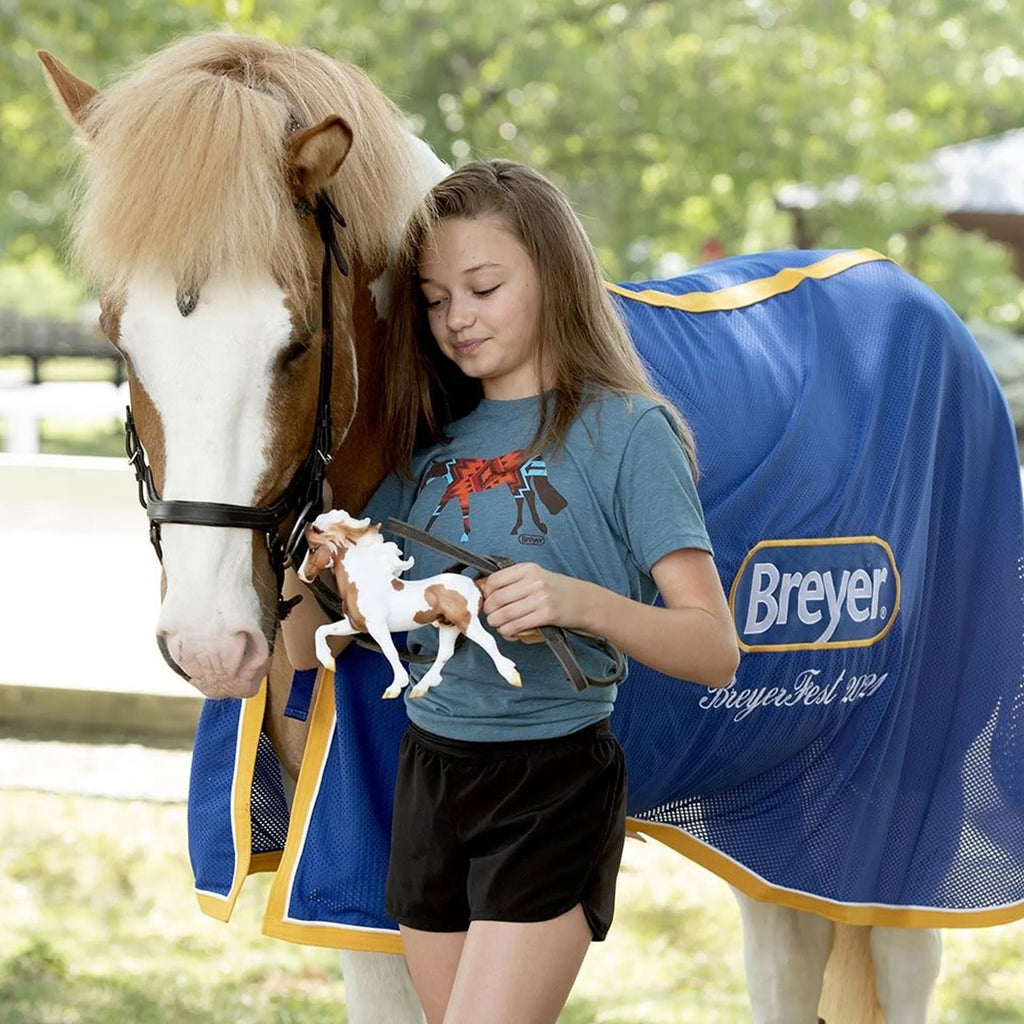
(526, 481)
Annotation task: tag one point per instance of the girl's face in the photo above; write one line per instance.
(483, 303)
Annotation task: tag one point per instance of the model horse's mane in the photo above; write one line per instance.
(185, 167)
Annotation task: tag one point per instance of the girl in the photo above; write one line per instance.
(523, 425)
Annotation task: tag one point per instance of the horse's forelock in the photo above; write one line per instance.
(186, 167)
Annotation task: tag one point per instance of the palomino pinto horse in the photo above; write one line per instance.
(861, 778)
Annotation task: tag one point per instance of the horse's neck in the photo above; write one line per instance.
(366, 564)
(360, 462)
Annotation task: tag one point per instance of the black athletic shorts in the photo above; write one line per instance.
(512, 831)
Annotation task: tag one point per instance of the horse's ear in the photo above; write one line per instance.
(316, 154)
(72, 93)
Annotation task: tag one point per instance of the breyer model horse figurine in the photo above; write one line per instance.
(367, 569)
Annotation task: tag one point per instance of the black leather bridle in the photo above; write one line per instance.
(304, 494)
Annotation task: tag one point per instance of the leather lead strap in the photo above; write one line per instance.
(554, 636)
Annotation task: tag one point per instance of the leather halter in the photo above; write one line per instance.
(304, 494)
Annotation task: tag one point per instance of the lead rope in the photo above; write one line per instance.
(555, 637)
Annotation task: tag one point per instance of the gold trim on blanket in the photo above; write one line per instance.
(750, 293)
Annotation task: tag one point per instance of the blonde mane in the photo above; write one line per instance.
(185, 165)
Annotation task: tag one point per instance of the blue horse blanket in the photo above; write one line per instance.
(861, 487)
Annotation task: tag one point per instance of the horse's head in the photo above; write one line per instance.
(321, 552)
(203, 177)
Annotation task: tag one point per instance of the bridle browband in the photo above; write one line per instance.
(304, 494)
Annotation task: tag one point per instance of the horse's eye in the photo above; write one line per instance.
(293, 353)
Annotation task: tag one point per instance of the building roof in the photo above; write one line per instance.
(981, 176)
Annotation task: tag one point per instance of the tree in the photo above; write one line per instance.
(669, 122)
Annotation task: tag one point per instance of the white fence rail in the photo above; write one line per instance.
(79, 582)
(23, 407)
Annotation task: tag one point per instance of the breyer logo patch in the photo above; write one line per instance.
(815, 594)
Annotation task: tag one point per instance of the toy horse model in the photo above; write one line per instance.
(377, 602)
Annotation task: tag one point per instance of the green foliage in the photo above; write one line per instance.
(669, 122)
(37, 286)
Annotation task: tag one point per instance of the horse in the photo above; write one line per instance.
(525, 478)
(366, 569)
(230, 183)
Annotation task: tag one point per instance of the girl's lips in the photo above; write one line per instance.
(467, 348)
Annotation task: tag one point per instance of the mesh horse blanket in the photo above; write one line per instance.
(861, 485)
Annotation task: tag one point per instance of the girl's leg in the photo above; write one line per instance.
(514, 973)
(433, 959)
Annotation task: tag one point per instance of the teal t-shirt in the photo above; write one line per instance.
(606, 507)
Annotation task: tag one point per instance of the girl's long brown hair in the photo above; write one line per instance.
(583, 342)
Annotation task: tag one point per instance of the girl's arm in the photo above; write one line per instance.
(692, 637)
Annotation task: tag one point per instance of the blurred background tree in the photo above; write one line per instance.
(672, 124)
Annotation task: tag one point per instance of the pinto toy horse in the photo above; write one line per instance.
(366, 569)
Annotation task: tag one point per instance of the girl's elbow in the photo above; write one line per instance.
(723, 672)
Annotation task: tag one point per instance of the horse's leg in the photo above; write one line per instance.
(446, 636)
(785, 953)
(340, 628)
(382, 635)
(506, 666)
(531, 501)
(286, 735)
(519, 514)
(378, 989)
(464, 509)
(906, 968)
(433, 517)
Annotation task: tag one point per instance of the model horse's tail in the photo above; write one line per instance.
(848, 994)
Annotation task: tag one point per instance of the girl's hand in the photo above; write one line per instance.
(524, 596)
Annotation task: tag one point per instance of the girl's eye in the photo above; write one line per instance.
(486, 291)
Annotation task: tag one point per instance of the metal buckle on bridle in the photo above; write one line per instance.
(304, 494)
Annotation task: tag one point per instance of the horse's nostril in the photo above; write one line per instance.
(255, 651)
(161, 643)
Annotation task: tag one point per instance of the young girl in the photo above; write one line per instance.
(524, 426)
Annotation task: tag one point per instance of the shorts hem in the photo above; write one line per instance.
(598, 930)
(433, 926)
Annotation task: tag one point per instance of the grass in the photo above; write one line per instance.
(100, 925)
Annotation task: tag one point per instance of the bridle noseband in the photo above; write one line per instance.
(304, 494)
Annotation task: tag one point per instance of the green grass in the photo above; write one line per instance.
(100, 927)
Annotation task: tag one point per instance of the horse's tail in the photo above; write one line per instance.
(848, 994)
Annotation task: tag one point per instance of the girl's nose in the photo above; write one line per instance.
(460, 314)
